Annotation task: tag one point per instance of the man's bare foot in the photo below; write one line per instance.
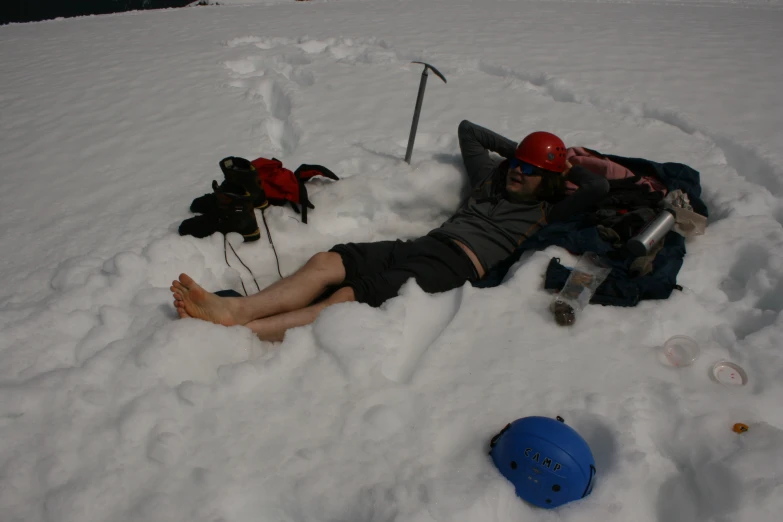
(191, 300)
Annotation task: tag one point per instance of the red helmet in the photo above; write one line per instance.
(543, 150)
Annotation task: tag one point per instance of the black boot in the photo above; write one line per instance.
(241, 177)
(237, 214)
(231, 213)
(241, 173)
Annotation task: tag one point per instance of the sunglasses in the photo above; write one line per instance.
(526, 168)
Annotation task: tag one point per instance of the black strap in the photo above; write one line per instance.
(318, 168)
(589, 486)
(303, 199)
(494, 439)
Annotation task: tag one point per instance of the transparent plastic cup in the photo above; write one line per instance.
(680, 350)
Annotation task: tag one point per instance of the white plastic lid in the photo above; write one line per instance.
(729, 374)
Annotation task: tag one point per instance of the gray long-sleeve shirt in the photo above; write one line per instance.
(493, 226)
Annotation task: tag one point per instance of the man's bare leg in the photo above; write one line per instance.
(273, 328)
(291, 293)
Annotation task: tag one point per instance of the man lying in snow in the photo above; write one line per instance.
(512, 198)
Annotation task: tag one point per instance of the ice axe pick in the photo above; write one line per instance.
(417, 111)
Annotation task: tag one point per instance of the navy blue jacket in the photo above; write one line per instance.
(579, 235)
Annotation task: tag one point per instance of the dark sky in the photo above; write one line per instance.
(32, 10)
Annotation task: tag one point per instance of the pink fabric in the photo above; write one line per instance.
(606, 168)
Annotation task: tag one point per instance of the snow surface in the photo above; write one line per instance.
(111, 409)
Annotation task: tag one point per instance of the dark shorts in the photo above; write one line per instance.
(376, 271)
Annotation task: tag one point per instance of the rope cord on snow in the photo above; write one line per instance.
(277, 259)
(269, 235)
(225, 253)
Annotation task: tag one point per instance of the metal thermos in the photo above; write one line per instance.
(641, 244)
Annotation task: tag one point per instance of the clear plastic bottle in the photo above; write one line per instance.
(585, 278)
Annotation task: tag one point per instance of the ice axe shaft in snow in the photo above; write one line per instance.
(417, 111)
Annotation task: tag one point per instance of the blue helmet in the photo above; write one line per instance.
(547, 461)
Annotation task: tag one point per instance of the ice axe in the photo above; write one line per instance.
(417, 111)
